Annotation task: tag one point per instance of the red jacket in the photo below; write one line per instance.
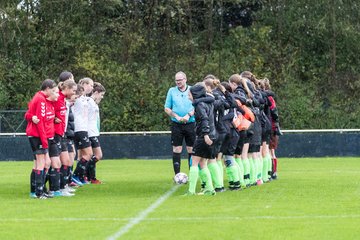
(60, 112)
(50, 119)
(37, 107)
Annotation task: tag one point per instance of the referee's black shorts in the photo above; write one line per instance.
(180, 131)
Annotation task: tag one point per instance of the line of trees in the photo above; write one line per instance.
(308, 49)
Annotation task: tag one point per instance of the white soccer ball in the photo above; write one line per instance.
(180, 178)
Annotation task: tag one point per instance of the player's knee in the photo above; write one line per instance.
(177, 149)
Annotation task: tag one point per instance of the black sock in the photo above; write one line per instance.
(63, 176)
(32, 181)
(70, 174)
(80, 169)
(54, 177)
(92, 170)
(39, 183)
(176, 162)
(45, 176)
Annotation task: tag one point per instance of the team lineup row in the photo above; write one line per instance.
(63, 122)
(232, 124)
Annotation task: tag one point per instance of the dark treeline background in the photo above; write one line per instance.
(308, 49)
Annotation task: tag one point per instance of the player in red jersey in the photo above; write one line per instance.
(36, 131)
(67, 87)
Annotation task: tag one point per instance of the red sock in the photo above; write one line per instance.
(274, 165)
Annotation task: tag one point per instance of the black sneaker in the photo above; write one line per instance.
(235, 188)
(221, 189)
(48, 194)
(42, 196)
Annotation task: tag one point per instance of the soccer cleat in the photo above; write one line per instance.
(56, 193)
(49, 194)
(95, 181)
(84, 182)
(189, 194)
(259, 182)
(274, 176)
(70, 189)
(42, 196)
(210, 193)
(65, 193)
(32, 195)
(73, 184)
(222, 189)
(76, 180)
(234, 188)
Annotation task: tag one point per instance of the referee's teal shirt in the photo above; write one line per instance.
(179, 103)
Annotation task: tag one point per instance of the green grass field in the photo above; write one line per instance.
(314, 198)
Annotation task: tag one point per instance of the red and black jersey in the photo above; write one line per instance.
(50, 119)
(37, 107)
(60, 113)
(274, 114)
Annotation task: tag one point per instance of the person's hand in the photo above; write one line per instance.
(208, 141)
(35, 119)
(57, 120)
(186, 118)
(278, 130)
(179, 119)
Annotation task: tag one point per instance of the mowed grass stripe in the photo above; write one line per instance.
(177, 219)
(314, 198)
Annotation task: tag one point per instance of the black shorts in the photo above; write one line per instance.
(36, 146)
(94, 142)
(218, 143)
(81, 140)
(70, 145)
(63, 145)
(54, 147)
(254, 148)
(244, 138)
(230, 142)
(201, 149)
(180, 131)
(265, 136)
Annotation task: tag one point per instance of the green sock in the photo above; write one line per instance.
(221, 171)
(246, 165)
(260, 167)
(202, 177)
(193, 176)
(265, 170)
(229, 174)
(252, 171)
(240, 171)
(235, 171)
(256, 164)
(269, 165)
(215, 174)
(206, 177)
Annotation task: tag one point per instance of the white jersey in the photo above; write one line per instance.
(94, 119)
(80, 110)
(68, 105)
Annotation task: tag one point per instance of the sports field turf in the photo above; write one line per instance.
(314, 198)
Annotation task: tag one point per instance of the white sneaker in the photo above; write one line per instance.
(70, 189)
(65, 193)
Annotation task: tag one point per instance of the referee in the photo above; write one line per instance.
(180, 109)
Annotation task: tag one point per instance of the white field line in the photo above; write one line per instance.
(142, 215)
(179, 218)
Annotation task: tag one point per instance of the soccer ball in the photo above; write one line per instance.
(180, 178)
